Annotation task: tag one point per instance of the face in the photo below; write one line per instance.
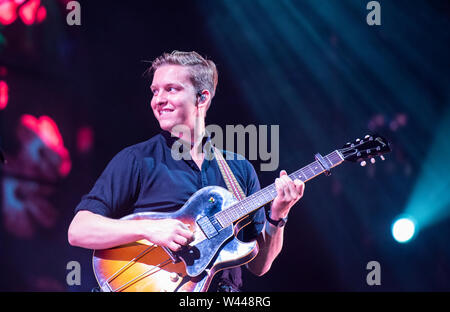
(174, 97)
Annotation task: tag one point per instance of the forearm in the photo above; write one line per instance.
(270, 243)
(93, 231)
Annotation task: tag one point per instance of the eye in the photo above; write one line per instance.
(154, 91)
(172, 89)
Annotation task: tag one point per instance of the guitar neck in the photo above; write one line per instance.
(266, 195)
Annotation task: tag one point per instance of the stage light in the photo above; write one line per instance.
(403, 229)
(8, 12)
(27, 12)
(3, 94)
(30, 12)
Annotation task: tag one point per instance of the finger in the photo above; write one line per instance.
(283, 173)
(180, 225)
(288, 181)
(174, 246)
(181, 240)
(289, 188)
(185, 233)
(293, 191)
(300, 186)
(296, 188)
(279, 187)
(185, 226)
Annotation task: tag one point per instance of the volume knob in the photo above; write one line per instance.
(174, 277)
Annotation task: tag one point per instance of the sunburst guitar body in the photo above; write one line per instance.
(142, 266)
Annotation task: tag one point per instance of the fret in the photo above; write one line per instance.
(296, 175)
(263, 195)
(334, 158)
(234, 212)
(251, 203)
(308, 172)
(226, 217)
(221, 217)
(329, 160)
(244, 207)
(315, 167)
(318, 169)
(304, 174)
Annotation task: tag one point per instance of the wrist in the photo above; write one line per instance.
(141, 228)
(276, 219)
(276, 215)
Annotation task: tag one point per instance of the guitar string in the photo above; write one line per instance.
(227, 215)
(130, 263)
(157, 267)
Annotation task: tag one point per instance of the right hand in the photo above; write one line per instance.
(170, 233)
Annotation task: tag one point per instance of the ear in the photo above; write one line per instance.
(203, 99)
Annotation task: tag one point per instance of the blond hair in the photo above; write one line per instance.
(203, 72)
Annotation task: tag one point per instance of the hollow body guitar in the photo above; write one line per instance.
(215, 216)
(143, 266)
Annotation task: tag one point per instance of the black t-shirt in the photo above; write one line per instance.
(146, 177)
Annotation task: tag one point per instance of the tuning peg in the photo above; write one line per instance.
(357, 140)
(363, 163)
(367, 136)
(382, 157)
(372, 160)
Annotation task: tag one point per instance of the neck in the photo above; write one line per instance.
(193, 134)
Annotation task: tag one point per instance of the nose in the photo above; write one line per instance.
(160, 98)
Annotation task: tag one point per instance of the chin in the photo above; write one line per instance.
(179, 128)
(167, 126)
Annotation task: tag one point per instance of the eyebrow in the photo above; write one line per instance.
(170, 84)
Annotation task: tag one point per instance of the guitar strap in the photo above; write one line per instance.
(230, 180)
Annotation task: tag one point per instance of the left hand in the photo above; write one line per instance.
(288, 193)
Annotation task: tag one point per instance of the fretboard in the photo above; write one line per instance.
(267, 194)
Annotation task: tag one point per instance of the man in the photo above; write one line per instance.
(145, 177)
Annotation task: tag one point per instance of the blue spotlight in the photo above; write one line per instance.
(403, 229)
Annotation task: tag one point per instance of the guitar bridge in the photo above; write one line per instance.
(172, 255)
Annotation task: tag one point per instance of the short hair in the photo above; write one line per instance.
(203, 72)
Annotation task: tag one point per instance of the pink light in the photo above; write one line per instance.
(3, 95)
(41, 14)
(47, 130)
(27, 12)
(8, 12)
(85, 139)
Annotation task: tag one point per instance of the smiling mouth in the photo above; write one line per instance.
(164, 111)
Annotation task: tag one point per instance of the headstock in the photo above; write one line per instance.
(365, 149)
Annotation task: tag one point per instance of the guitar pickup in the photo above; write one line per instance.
(209, 227)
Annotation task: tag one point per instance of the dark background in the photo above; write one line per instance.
(315, 68)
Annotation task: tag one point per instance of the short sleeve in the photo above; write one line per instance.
(117, 188)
